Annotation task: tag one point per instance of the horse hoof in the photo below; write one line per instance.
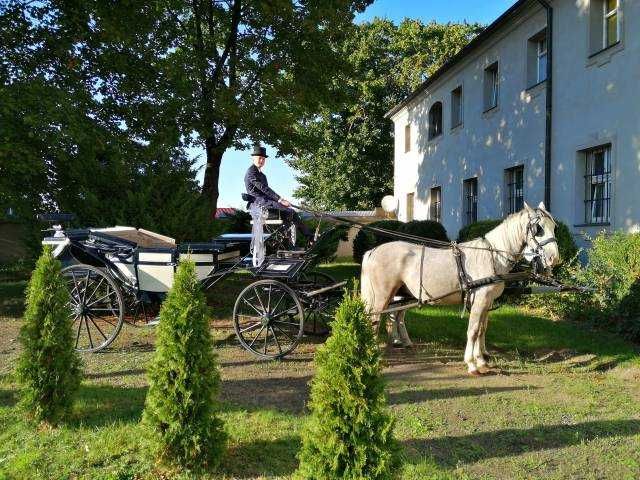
(475, 373)
(483, 370)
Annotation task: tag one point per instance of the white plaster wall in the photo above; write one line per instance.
(596, 101)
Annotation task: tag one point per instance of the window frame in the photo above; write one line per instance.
(606, 15)
(541, 73)
(410, 206)
(470, 200)
(514, 196)
(492, 92)
(435, 207)
(459, 99)
(594, 203)
(434, 133)
(407, 138)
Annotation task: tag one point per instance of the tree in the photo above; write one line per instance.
(183, 379)
(209, 72)
(349, 434)
(48, 367)
(345, 156)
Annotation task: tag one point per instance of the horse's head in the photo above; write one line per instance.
(541, 246)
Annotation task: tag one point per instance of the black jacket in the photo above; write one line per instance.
(257, 186)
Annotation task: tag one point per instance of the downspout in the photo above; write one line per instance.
(549, 107)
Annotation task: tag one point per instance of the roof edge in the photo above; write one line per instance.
(464, 51)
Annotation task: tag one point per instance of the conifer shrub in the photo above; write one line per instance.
(181, 406)
(349, 434)
(49, 368)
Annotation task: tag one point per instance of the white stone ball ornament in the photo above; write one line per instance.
(390, 204)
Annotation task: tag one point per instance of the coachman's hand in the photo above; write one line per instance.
(284, 202)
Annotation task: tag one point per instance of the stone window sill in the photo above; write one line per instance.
(603, 56)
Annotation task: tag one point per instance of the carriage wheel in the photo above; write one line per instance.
(97, 307)
(268, 319)
(319, 315)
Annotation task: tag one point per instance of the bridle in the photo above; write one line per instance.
(535, 230)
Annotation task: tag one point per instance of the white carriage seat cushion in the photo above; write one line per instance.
(143, 238)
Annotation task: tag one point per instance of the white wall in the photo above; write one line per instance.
(595, 101)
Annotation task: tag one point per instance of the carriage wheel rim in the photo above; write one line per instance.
(97, 307)
(268, 319)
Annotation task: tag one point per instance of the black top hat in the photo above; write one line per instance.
(259, 151)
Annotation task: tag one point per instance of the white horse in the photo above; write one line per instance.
(387, 268)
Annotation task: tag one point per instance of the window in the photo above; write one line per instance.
(456, 107)
(435, 200)
(470, 201)
(537, 58)
(597, 185)
(407, 138)
(491, 86)
(410, 199)
(514, 178)
(604, 24)
(435, 120)
(610, 24)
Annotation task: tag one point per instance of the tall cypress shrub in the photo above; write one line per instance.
(350, 432)
(184, 379)
(49, 368)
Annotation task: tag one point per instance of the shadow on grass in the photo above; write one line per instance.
(449, 451)
(511, 330)
(287, 394)
(12, 296)
(417, 396)
(8, 398)
(119, 373)
(262, 459)
(101, 405)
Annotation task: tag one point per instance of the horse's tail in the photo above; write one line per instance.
(366, 286)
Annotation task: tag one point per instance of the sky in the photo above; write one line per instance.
(281, 177)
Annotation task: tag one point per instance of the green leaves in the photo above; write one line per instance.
(345, 155)
(180, 409)
(350, 433)
(49, 367)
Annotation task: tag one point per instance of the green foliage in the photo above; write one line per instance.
(365, 239)
(183, 380)
(477, 229)
(566, 243)
(425, 229)
(344, 156)
(327, 245)
(49, 368)
(350, 432)
(613, 271)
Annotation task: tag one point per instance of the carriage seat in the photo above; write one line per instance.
(273, 215)
(140, 236)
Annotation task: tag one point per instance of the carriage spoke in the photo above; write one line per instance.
(109, 293)
(86, 287)
(290, 310)
(252, 327)
(287, 323)
(284, 333)
(256, 310)
(284, 294)
(79, 328)
(256, 337)
(94, 290)
(265, 341)
(86, 322)
(276, 339)
(96, 325)
(260, 300)
(269, 300)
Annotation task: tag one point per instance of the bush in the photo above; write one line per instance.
(477, 229)
(349, 434)
(365, 240)
(613, 271)
(49, 367)
(566, 243)
(183, 377)
(425, 229)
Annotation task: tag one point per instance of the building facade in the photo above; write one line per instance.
(470, 142)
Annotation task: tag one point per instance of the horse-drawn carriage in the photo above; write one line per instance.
(116, 276)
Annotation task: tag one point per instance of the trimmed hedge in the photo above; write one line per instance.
(477, 229)
(365, 240)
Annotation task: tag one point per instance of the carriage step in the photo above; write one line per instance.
(291, 253)
(325, 289)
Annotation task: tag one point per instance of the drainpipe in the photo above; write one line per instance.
(549, 101)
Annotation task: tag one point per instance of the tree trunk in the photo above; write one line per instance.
(210, 189)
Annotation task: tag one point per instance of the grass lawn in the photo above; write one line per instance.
(563, 402)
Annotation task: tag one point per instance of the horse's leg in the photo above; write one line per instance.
(402, 329)
(472, 351)
(393, 329)
(479, 350)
